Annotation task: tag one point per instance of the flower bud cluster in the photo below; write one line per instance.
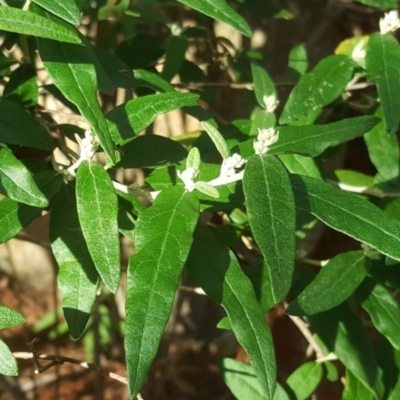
(265, 138)
(390, 22)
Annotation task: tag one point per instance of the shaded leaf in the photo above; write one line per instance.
(263, 85)
(335, 282)
(19, 128)
(354, 389)
(218, 272)
(344, 334)
(383, 309)
(77, 276)
(151, 151)
(98, 215)
(175, 55)
(271, 212)
(163, 237)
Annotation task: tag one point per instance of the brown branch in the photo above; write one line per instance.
(59, 360)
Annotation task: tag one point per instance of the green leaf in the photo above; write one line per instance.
(151, 151)
(207, 189)
(136, 115)
(72, 71)
(65, 9)
(298, 61)
(383, 150)
(271, 212)
(344, 334)
(243, 383)
(10, 318)
(336, 281)
(382, 4)
(218, 272)
(305, 379)
(354, 389)
(382, 59)
(19, 128)
(301, 165)
(349, 214)
(22, 86)
(77, 276)
(261, 119)
(383, 309)
(220, 11)
(317, 89)
(175, 55)
(8, 364)
(17, 183)
(98, 214)
(27, 23)
(217, 138)
(193, 160)
(312, 140)
(263, 85)
(163, 237)
(15, 216)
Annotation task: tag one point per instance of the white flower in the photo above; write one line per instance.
(230, 164)
(271, 102)
(265, 138)
(390, 22)
(187, 177)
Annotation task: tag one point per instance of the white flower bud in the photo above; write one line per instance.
(390, 22)
(230, 164)
(271, 102)
(359, 53)
(265, 138)
(187, 177)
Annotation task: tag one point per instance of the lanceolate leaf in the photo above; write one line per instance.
(137, 114)
(271, 211)
(17, 183)
(97, 206)
(305, 379)
(347, 213)
(334, 284)
(383, 150)
(65, 9)
(312, 140)
(72, 71)
(19, 128)
(383, 309)
(219, 10)
(15, 216)
(344, 334)
(10, 318)
(243, 383)
(382, 59)
(217, 271)
(217, 138)
(175, 55)
(163, 237)
(24, 22)
(263, 85)
(302, 165)
(318, 88)
(77, 276)
(354, 389)
(151, 151)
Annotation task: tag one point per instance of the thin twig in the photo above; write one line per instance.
(305, 331)
(59, 360)
(250, 85)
